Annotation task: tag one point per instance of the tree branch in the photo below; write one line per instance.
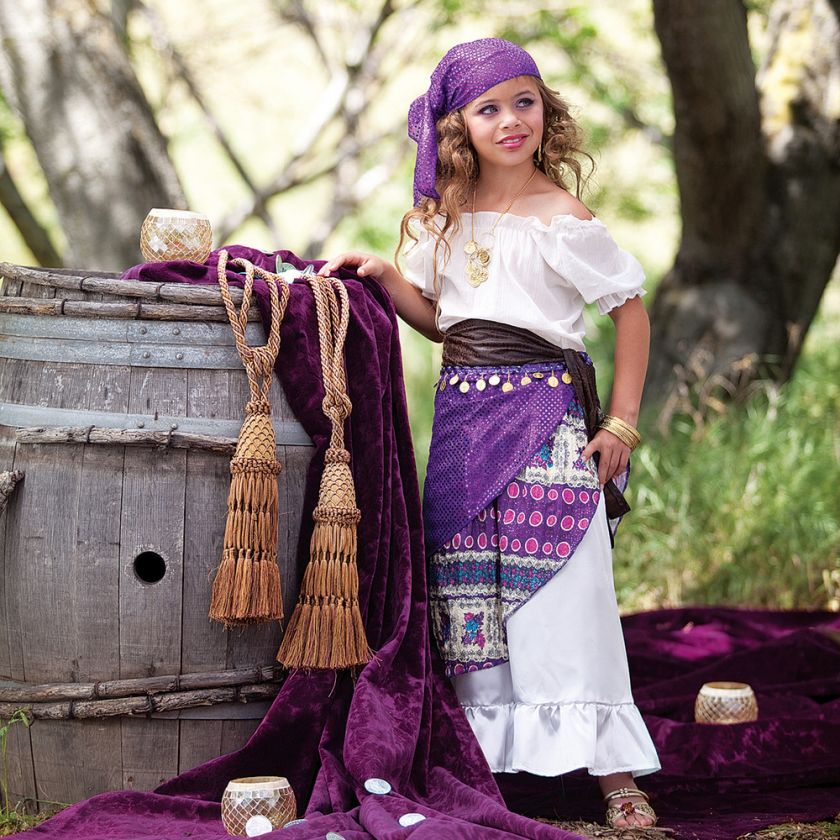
(165, 45)
(32, 232)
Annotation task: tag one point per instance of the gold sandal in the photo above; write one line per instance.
(626, 809)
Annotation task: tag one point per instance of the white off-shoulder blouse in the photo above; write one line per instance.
(540, 275)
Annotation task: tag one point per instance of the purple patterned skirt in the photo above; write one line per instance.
(507, 500)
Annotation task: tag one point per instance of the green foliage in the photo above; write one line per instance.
(7, 815)
(745, 510)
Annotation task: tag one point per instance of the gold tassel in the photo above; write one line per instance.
(326, 628)
(247, 585)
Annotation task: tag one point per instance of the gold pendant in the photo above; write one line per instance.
(526, 380)
(553, 381)
(495, 379)
(539, 375)
(481, 385)
(478, 258)
(453, 380)
(464, 387)
(566, 377)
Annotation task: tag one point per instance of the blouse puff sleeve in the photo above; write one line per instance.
(416, 262)
(586, 256)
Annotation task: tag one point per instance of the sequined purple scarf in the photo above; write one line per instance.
(464, 73)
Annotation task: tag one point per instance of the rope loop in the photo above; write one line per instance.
(258, 361)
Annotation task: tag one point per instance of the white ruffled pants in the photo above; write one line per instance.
(563, 700)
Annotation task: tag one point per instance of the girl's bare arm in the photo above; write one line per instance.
(416, 310)
(632, 340)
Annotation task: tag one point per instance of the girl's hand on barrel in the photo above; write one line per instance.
(613, 455)
(366, 265)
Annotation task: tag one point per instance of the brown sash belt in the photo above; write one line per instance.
(474, 342)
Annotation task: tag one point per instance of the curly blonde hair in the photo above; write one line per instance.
(457, 172)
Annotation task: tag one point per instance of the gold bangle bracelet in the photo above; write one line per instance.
(626, 433)
(629, 435)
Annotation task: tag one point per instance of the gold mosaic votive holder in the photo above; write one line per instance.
(175, 235)
(725, 702)
(257, 804)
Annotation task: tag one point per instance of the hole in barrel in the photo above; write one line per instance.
(149, 567)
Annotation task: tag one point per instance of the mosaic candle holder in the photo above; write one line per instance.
(252, 804)
(725, 702)
(175, 235)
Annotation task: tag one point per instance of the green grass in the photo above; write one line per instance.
(743, 510)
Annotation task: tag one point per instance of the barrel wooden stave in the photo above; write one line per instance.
(71, 532)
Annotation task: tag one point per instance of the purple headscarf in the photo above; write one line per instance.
(463, 74)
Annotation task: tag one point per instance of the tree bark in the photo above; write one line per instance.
(63, 70)
(756, 163)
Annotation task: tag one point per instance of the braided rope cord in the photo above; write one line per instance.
(258, 361)
(332, 331)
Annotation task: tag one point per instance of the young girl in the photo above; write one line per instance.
(522, 493)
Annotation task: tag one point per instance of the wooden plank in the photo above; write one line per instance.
(39, 573)
(64, 385)
(235, 734)
(69, 760)
(208, 478)
(98, 530)
(46, 583)
(152, 521)
(296, 461)
(7, 460)
(21, 380)
(200, 741)
(150, 752)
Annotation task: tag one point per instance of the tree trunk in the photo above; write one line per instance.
(759, 192)
(63, 69)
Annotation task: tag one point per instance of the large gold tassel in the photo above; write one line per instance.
(326, 628)
(247, 584)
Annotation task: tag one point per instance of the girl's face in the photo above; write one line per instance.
(505, 123)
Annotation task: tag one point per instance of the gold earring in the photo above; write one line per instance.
(539, 152)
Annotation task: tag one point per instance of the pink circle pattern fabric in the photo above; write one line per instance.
(512, 547)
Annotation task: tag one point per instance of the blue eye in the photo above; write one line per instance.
(526, 101)
(484, 109)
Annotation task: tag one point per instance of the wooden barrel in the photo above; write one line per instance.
(120, 402)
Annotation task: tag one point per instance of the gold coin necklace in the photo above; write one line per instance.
(478, 256)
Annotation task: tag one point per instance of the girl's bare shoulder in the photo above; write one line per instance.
(549, 201)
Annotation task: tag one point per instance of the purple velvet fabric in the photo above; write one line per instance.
(719, 782)
(463, 74)
(401, 721)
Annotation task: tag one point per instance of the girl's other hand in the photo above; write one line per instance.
(366, 265)
(613, 456)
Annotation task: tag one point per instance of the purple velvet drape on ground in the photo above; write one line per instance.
(403, 723)
(719, 782)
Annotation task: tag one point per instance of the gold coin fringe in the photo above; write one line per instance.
(247, 584)
(326, 628)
